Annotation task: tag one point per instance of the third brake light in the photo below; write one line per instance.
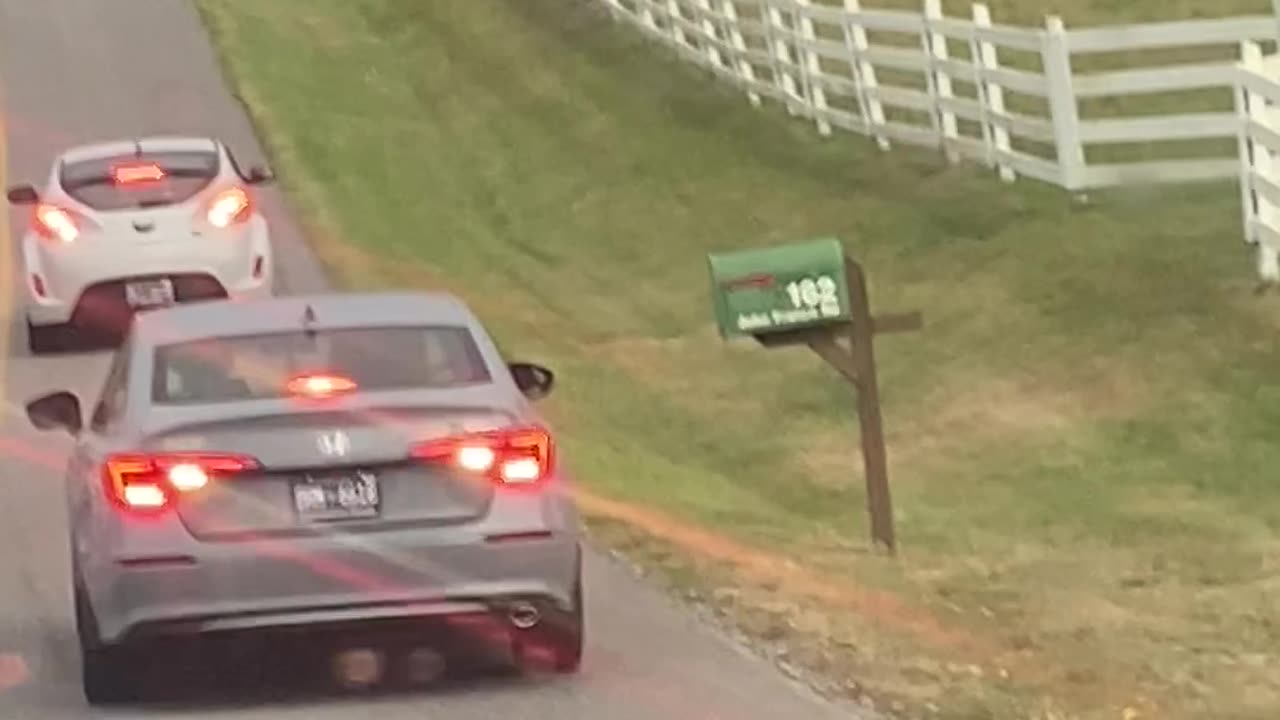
(137, 173)
(319, 385)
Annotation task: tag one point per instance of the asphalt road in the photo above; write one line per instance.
(82, 70)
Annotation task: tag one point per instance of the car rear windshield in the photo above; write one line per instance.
(259, 367)
(128, 182)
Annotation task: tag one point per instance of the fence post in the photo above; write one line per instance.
(1056, 56)
(711, 38)
(743, 62)
(788, 36)
(864, 73)
(1261, 168)
(1275, 10)
(936, 53)
(676, 29)
(780, 55)
(646, 14)
(986, 61)
(813, 68)
(1251, 64)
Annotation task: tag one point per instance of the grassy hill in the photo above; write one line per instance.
(1081, 441)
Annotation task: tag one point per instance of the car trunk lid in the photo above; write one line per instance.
(348, 469)
(144, 226)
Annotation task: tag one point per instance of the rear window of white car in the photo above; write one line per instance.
(149, 180)
(259, 367)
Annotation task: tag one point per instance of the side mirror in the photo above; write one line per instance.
(59, 410)
(534, 381)
(23, 195)
(259, 175)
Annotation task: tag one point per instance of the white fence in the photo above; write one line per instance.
(1258, 104)
(1020, 107)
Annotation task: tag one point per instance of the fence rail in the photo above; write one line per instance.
(998, 94)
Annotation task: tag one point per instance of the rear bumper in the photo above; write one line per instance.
(109, 297)
(250, 585)
(59, 285)
(443, 616)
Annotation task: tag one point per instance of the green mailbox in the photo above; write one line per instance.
(779, 289)
(792, 295)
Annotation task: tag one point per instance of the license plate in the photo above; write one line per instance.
(337, 498)
(149, 293)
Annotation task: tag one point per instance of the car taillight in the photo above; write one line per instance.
(54, 223)
(319, 385)
(149, 483)
(135, 173)
(229, 207)
(513, 456)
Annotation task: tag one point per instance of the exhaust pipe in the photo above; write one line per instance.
(523, 615)
(424, 666)
(358, 668)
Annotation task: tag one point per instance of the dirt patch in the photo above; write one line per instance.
(778, 571)
(970, 411)
(325, 31)
(844, 632)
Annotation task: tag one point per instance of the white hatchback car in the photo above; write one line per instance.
(128, 225)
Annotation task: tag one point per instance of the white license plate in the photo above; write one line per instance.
(149, 293)
(335, 498)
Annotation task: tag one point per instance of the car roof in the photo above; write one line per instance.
(224, 318)
(152, 143)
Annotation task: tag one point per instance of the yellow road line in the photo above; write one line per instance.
(6, 259)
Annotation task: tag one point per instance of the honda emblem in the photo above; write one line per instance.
(334, 443)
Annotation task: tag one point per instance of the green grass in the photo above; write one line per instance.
(1080, 440)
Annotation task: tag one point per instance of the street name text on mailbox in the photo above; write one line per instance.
(776, 289)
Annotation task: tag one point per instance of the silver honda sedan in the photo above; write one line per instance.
(314, 462)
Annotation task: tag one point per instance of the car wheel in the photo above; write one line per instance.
(103, 677)
(104, 672)
(557, 642)
(45, 339)
(86, 630)
(567, 635)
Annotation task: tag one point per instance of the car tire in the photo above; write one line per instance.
(46, 339)
(104, 672)
(568, 636)
(103, 678)
(559, 638)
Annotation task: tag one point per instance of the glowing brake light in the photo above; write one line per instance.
(319, 385)
(55, 223)
(475, 458)
(131, 174)
(228, 207)
(145, 496)
(143, 483)
(188, 477)
(514, 456)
